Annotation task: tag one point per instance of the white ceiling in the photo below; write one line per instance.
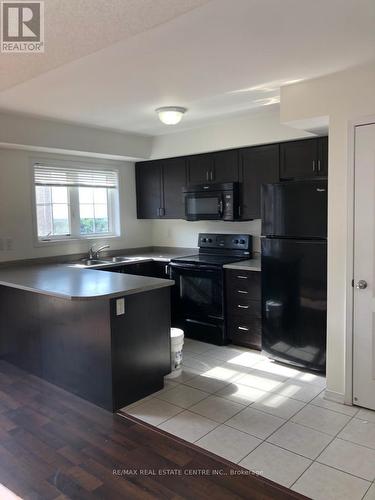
(221, 58)
(75, 28)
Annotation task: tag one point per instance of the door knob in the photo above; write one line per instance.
(362, 284)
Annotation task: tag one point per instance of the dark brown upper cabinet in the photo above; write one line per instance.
(159, 186)
(323, 156)
(304, 158)
(160, 182)
(226, 166)
(174, 179)
(258, 165)
(200, 168)
(148, 187)
(217, 167)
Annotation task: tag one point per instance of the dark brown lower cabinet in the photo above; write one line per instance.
(153, 269)
(87, 349)
(243, 307)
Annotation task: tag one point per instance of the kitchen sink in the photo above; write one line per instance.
(91, 262)
(117, 259)
(106, 261)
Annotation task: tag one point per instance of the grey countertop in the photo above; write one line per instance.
(74, 281)
(246, 265)
(77, 284)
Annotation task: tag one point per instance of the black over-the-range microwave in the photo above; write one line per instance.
(212, 201)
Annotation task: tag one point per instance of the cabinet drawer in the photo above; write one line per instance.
(246, 332)
(244, 307)
(243, 283)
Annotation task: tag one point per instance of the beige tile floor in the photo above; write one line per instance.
(267, 417)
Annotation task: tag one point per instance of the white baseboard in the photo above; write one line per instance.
(337, 397)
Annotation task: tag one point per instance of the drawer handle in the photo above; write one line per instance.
(243, 307)
(243, 328)
(242, 291)
(242, 277)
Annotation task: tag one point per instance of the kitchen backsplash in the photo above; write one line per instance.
(180, 233)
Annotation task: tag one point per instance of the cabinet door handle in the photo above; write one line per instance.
(207, 175)
(242, 291)
(318, 165)
(243, 307)
(242, 277)
(166, 270)
(212, 175)
(313, 165)
(243, 328)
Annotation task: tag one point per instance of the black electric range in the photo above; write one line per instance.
(198, 295)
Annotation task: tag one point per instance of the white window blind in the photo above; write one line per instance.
(80, 177)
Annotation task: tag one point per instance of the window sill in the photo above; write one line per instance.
(67, 241)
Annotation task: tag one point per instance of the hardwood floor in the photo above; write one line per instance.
(54, 445)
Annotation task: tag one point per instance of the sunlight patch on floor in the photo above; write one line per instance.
(6, 494)
(221, 373)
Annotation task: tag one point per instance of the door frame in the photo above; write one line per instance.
(349, 322)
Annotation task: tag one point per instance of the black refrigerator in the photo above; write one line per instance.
(294, 272)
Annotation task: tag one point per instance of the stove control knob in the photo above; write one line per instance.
(235, 242)
(209, 240)
(242, 242)
(204, 240)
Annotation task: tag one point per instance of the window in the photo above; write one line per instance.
(75, 203)
(52, 208)
(93, 210)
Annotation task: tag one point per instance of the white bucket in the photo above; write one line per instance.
(177, 343)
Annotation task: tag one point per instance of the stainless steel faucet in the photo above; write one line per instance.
(94, 254)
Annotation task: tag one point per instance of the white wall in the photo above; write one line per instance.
(49, 135)
(185, 234)
(16, 209)
(247, 130)
(342, 97)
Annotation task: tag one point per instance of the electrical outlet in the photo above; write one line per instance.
(120, 307)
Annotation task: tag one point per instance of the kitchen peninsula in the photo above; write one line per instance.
(103, 336)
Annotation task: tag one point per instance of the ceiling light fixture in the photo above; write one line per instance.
(170, 115)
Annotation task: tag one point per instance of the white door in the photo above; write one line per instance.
(364, 268)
